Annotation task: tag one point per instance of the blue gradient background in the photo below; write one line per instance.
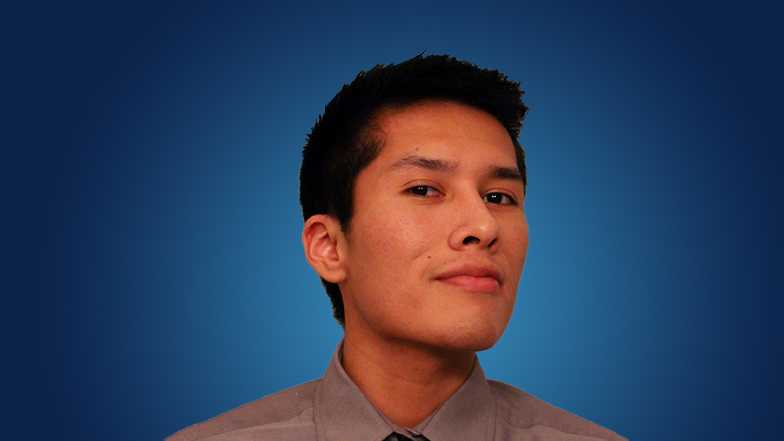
(156, 219)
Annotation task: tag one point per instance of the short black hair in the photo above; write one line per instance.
(341, 144)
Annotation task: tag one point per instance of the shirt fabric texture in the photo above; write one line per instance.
(333, 408)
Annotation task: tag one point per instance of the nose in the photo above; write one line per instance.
(476, 225)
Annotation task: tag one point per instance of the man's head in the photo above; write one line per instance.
(412, 187)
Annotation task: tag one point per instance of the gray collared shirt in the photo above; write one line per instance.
(333, 408)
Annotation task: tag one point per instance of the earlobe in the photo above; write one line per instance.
(320, 238)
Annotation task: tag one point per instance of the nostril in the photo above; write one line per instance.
(470, 239)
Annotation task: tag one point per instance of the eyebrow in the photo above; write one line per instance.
(414, 161)
(440, 165)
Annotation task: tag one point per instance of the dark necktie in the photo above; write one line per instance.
(394, 436)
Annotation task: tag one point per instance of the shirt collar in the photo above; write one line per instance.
(343, 413)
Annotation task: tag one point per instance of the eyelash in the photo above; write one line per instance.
(410, 190)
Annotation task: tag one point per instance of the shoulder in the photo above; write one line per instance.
(277, 411)
(519, 409)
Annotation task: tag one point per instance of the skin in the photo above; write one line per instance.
(410, 339)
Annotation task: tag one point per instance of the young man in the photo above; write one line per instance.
(412, 186)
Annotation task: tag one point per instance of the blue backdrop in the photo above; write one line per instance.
(157, 271)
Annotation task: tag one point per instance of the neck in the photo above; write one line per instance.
(405, 381)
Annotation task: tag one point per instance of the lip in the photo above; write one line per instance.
(472, 277)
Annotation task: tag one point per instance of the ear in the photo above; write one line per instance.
(322, 239)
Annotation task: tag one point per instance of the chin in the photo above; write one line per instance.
(473, 337)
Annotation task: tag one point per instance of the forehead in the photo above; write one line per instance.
(446, 130)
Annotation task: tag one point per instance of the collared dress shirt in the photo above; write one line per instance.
(333, 408)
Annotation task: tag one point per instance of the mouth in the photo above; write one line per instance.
(473, 283)
(474, 278)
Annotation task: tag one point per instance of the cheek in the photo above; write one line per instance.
(388, 264)
(518, 245)
(397, 234)
(389, 253)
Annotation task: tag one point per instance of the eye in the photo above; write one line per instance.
(423, 190)
(500, 198)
